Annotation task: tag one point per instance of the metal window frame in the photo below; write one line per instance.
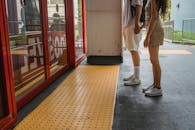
(11, 118)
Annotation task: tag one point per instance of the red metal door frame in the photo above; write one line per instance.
(11, 118)
(84, 26)
(44, 20)
(70, 30)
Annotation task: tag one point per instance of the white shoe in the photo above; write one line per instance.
(129, 78)
(147, 88)
(153, 92)
(132, 82)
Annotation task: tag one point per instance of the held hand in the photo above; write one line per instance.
(145, 24)
(146, 42)
(137, 29)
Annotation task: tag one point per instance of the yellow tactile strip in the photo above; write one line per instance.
(173, 52)
(83, 101)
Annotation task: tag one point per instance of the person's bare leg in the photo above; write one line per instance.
(134, 79)
(136, 63)
(135, 58)
(155, 89)
(154, 58)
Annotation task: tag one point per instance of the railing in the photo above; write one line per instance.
(168, 29)
(188, 29)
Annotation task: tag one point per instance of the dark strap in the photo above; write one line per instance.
(132, 9)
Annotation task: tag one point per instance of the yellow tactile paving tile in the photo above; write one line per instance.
(83, 101)
(173, 52)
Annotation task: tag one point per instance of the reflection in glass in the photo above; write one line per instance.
(26, 44)
(78, 27)
(57, 35)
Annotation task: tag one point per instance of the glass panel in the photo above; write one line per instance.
(57, 35)
(78, 27)
(26, 44)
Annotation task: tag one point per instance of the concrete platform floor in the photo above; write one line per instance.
(175, 110)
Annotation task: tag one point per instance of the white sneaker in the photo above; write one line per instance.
(153, 92)
(129, 78)
(132, 82)
(147, 88)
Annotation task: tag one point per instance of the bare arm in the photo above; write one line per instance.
(154, 16)
(137, 18)
(152, 23)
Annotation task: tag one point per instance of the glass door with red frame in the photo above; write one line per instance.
(57, 35)
(26, 44)
(8, 113)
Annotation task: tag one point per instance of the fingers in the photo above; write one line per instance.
(137, 30)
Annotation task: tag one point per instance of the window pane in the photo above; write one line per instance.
(57, 35)
(78, 27)
(26, 44)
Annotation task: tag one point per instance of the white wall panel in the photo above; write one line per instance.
(104, 27)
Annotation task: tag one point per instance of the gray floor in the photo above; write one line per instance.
(175, 110)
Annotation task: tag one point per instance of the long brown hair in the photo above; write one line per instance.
(162, 7)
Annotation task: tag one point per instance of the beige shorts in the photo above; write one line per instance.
(157, 36)
(131, 39)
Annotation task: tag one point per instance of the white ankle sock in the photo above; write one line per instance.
(136, 71)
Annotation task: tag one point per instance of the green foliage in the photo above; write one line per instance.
(177, 36)
(188, 37)
(17, 39)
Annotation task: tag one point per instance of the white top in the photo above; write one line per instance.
(126, 11)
